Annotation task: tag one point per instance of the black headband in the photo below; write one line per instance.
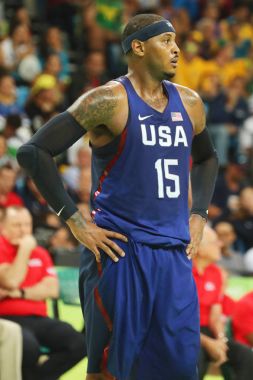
(147, 32)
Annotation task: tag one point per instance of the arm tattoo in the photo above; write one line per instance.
(188, 96)
(77, 219)
(94, 108)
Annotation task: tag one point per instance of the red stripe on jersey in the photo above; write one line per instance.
(104, 369)
(102, 309)
(112, 162)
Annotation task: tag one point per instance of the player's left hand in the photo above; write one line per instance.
(197, 224)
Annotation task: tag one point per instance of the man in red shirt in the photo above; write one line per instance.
(28, 279)
(242, 320)
(215, 347)
(7, 182)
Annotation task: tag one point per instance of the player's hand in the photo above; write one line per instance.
(197, 224)
(217, 350)
(95, 238)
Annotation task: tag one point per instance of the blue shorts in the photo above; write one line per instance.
(141, 314)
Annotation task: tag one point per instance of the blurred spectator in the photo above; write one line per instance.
(47, 225)
(4, 157)
(191, 66)
(28, 278)
(71, 175)
(62, 14)
(207, 29)
(226, 194)
(53, 45)
(242, 320)
(10, 342)
(8, 98)
(33, 200)
(44, 102)
(231, 260)
(246, 133)
(63, 238)
(14, 134)
(215, 346)
(84, 186)
(18, 53)
(242, 220)
(21, 16)
(192, 7)
(241, 42)
(7, 183)
(91, 74)
(248, 260)
(226, 112)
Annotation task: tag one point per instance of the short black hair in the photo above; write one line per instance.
(138, 22)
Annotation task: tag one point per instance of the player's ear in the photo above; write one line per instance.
(138, 47)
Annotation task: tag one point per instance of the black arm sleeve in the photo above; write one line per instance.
(36, 157)
(203, 173)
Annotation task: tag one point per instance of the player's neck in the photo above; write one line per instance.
(146, 84)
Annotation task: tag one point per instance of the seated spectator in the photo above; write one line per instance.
(44, 101)
(231, 260)
(71, 174)
(10, 350)
(8, 197)
(242, 220)
(33, 200)
(4, 156)
(8, 101)
(91, 74)
(242, 320)
(18, 53)
(215, 347)
(226, 193)
(13, 133)
(47, 225)
(53, 45)
(63, 239)
(28, 279)
(248, 260)
(52, 67)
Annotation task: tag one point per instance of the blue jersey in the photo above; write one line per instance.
(142, 189)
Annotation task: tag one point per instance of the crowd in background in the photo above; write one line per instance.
(53, 51)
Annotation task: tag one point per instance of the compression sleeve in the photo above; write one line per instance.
(36, 157)
(203, 173)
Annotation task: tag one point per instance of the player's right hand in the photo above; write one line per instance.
(96, 238)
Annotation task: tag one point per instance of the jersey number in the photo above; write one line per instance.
(162, 168)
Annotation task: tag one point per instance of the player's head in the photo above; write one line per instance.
(150, 40)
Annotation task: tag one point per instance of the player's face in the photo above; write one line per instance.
(161, 55)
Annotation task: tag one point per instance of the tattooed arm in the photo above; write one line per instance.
(98, 108)
(102, 112)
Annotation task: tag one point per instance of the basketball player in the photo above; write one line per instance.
(137, 292)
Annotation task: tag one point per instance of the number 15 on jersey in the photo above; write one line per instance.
(162, 167)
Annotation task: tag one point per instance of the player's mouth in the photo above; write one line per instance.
(174, 62)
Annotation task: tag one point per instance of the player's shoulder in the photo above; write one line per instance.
(188, 96)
